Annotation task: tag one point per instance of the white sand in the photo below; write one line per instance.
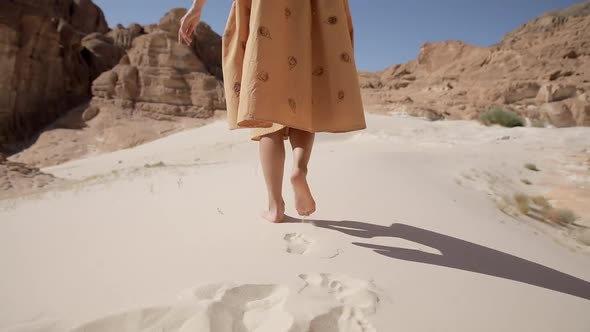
(181, 247)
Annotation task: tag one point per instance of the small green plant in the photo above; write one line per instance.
(501, 117)
(527, 182)
(522, 203)
(560, 216)
(532, 167)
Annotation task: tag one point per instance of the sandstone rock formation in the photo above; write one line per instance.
(162, 78)
(148, 86)
(59, 54)
(541, 70)
(100, 53)
(44, 62)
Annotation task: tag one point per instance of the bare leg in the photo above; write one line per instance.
(302, 144)
(272, 158)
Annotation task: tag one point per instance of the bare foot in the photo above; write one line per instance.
(304, 203)
(275, 213)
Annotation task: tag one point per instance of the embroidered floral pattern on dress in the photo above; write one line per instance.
(291, 78)
(293, 105)
(332, 20)
(264, 32)
(263, 76)
(292, 62)
(237, 88)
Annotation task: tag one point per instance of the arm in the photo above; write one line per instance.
(197, 5)
(189, 22)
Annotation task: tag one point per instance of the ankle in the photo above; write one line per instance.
(276, 204)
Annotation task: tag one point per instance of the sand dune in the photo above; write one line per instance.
(408, 236)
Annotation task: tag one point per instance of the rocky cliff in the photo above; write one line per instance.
(109, 89)
(541, 70)
(44, 63)
(56, 55)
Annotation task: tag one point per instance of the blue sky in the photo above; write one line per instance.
(387, 32)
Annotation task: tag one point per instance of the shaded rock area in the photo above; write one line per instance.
(541, 71)
(70, 83)
(44, 62)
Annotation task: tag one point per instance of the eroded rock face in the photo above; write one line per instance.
(559, 114)
(123, 37)
(163, 78)
(100, 53)
(44, 71)
(140, 76)
(545, 61)
(52, 50)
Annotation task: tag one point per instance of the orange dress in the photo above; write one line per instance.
(290, 64)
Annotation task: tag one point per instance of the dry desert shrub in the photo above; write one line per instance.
(522, 203)
(560, 216)
(155, 165)
(541, 201)
(538, 207)
(501, 117)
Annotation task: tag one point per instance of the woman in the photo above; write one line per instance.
(289, 72)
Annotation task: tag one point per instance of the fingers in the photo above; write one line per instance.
(187, 34)
(183, 35)
(187, 26)
(189, 29)
(182, 38)
(187, 40)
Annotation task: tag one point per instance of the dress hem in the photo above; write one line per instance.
(344, 129)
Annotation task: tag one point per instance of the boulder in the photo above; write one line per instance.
(90, 113)
(100, 53)
(581, 112)
(161, 77)
(123, 37)
(521, 91)
(558, 114)
(551, 93)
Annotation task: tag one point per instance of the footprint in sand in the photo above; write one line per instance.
(332, 303)
(357, 298)
(348, 291)
(341, 319)
(297, 243)
(215, 308)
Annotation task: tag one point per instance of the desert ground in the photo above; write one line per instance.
(415, 231)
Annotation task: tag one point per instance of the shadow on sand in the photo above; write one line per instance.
(460, 254)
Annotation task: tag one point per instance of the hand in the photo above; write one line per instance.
(188, 24)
